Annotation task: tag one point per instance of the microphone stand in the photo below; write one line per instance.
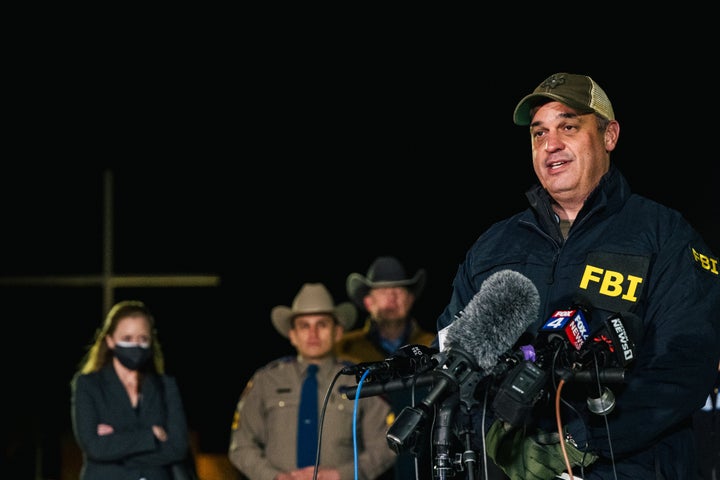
(467, 402)
(443, 467)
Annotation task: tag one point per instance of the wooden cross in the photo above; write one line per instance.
(107, 280)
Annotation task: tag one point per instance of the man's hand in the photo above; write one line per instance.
(159, 432)
(104, 429)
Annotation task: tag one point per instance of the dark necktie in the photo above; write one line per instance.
(307, 438)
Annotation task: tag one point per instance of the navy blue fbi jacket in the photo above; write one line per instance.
(624, 253)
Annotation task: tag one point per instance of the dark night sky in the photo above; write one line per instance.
(300, 167)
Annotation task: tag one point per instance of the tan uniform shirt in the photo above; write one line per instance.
(264, 431)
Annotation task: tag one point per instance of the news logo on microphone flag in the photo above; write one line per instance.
(572, 323)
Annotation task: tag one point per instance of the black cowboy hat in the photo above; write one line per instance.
(384, 272)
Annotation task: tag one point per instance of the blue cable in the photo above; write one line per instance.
(357, 399)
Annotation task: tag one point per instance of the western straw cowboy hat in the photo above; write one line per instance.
(384, 272)
(312, 298)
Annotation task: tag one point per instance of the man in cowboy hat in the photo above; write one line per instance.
(387, 293)
(264, 434)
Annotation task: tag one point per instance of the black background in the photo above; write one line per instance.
(273, 162)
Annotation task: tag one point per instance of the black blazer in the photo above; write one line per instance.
(132, 452)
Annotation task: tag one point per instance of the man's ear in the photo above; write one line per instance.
(612, 133)
(367, 301)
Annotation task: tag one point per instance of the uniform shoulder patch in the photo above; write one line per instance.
(279, 362)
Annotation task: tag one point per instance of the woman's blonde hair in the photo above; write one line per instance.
(98, 354)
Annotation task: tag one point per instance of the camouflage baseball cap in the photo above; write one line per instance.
(576, 91)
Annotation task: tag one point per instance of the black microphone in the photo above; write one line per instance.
(614, 341)
(565, 330)
(489, 325)
(610, 346)
(408, 360)
(605, 375)
(379, 388)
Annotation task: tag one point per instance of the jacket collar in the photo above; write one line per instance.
(608, 197)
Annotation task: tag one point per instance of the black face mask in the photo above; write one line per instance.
(133, 357)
